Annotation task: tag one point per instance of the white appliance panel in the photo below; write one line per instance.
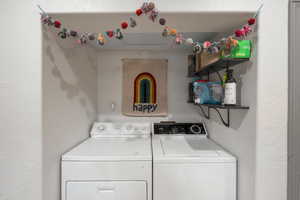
(106, 190)
(205, 181)
(125, 148)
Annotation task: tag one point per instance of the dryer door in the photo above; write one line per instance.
(106, 190)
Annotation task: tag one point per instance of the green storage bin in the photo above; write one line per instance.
(242, 50)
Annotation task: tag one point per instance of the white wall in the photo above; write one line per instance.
(20, 103)
(20, 81)
(69, 88)
(110, 85)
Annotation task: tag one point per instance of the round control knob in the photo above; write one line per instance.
(101, 128)
(196, 129)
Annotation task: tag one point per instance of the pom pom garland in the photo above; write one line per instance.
(124, 25)
(148, 8)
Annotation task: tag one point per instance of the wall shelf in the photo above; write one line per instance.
(221, 64)
(217, 108)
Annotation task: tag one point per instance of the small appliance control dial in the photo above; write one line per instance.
(101, 128)
(196, 129)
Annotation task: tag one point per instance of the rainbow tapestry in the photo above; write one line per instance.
(144, 87)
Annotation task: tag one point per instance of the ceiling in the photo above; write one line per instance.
(147, 35)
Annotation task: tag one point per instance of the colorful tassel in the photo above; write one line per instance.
(132, 22)
(153, 15)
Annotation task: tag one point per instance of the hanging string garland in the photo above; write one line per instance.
(149, 9)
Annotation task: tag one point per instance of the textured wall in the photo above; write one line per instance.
(69, 105)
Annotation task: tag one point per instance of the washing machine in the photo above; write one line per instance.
(187, 165)
(115, 163)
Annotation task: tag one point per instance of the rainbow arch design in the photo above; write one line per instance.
(145, 88)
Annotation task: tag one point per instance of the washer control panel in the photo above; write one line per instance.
(179, 128)
(107, 129)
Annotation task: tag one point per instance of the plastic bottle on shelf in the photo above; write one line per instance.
(230, 89)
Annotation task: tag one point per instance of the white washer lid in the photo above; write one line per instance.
(188, 148)
(111, 149)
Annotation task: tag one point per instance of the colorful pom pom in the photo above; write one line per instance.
(110, 33)
(83, 39)
(151, 6)
(213, 50)
(119, 34)
(132, 22)
(189, 41)
(240, 33)
(63, 34)
(138, 12)
(73, 33)
(206, 44)
(124, 25)
(57, 24)
(162, 21)
(165, 32)
(91, 36)
(100, 39)
(251, 21)
(172, 32)
(179, 39)
(247, 29)
(147, 7)
(197, 48)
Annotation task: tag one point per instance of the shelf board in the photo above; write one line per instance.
(226, 106)
(223, 106)
(221, 64)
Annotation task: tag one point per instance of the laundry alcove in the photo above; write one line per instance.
(83, 83)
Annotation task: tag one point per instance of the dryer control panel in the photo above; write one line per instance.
(179, 128)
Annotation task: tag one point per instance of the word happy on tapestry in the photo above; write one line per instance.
(144, 87)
